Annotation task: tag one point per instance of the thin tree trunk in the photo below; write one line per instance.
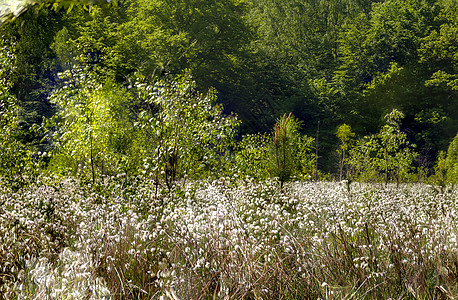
(386, 166)
(92, 160)
(316, 151)
(342, 165)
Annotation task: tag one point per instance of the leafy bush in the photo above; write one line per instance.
(93, 132)
(251, 154)
(451, 162)
(166, 130)
(446, 169)
(187, 132)
(386, 156)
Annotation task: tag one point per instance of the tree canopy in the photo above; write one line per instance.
(326, 62)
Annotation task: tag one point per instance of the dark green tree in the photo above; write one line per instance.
(18, 163)
(35, 73)
(440, 47)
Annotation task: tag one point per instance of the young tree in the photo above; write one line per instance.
(362, 159)
(94, 129)
(291, 153)
(395, 154)
(188, 133)
(346, 137)
(386, 155)
(283, 139)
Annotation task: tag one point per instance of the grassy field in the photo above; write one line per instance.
(228, 239)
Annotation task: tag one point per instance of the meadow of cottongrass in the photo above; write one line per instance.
(227, 239)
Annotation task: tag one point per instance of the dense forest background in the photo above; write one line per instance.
(328, 62)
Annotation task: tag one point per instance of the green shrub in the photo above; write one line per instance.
(283, 155)
(93, 132)
(386, 156)
(451, 162)
(251, 156)
(167, 130)
(187, 134)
